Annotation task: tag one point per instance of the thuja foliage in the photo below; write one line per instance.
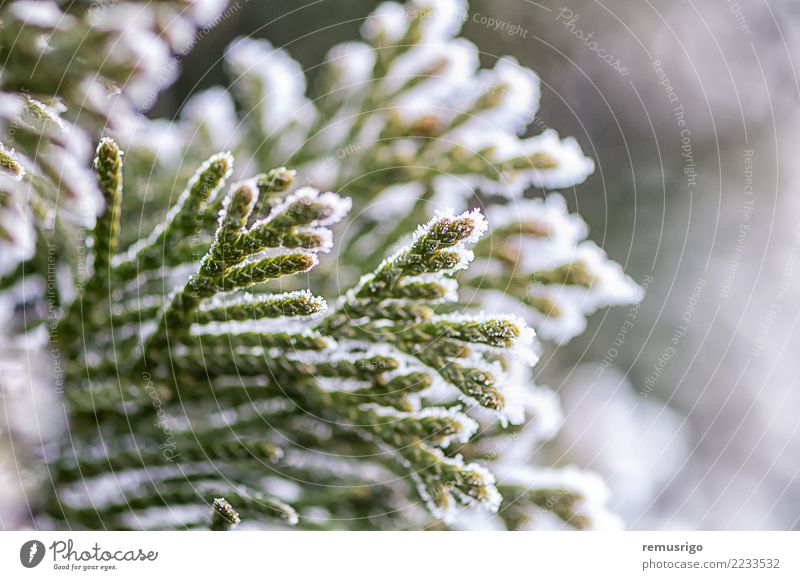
(70, 69)
(206, 385)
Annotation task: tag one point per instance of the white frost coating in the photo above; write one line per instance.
(494, 499)
(11, 105)
(338, 207)
(17, 169)
(575, 303)
(282, 84)
(351, 350)
(500, 148)
(450, 286)
(551, 213)
(522, 347)
(438, 70)
(52, 113)
(338, 385)
(41, 14)
(338, 465)
(519, 402)
(206, 12)
(474, 519)
(562, 246)
(480, 225)
(325, 239)
(250, 300)
(352, 64)
(469, 426)
(249, 184)
(589, 486)
(21, 247)
(538, 408)
(569, 323)
(449, 514)
(572, 166)
(556, 240)
(444, 19)
(388, 23)
(464, 255)
(282, 488)
(214, 112)
(611, 286)
(516, 89)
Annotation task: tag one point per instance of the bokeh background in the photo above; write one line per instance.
(687, 404)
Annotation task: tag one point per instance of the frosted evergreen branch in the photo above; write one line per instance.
(199, 349)
(180, 221)
(69, 470)
(224, 516)
(255, 307)
(265, 340)
(270, 187)
(108, 165)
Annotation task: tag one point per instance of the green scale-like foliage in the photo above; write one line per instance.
(207, 391)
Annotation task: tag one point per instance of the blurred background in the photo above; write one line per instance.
(687, 404)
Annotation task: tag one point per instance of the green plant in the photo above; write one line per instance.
(205, 385)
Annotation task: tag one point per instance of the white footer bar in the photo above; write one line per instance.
(390, 555)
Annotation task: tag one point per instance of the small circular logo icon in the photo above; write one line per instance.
(31, 553)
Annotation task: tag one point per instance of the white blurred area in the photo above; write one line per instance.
(31, 417)
(636, 444)
(716, 442)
